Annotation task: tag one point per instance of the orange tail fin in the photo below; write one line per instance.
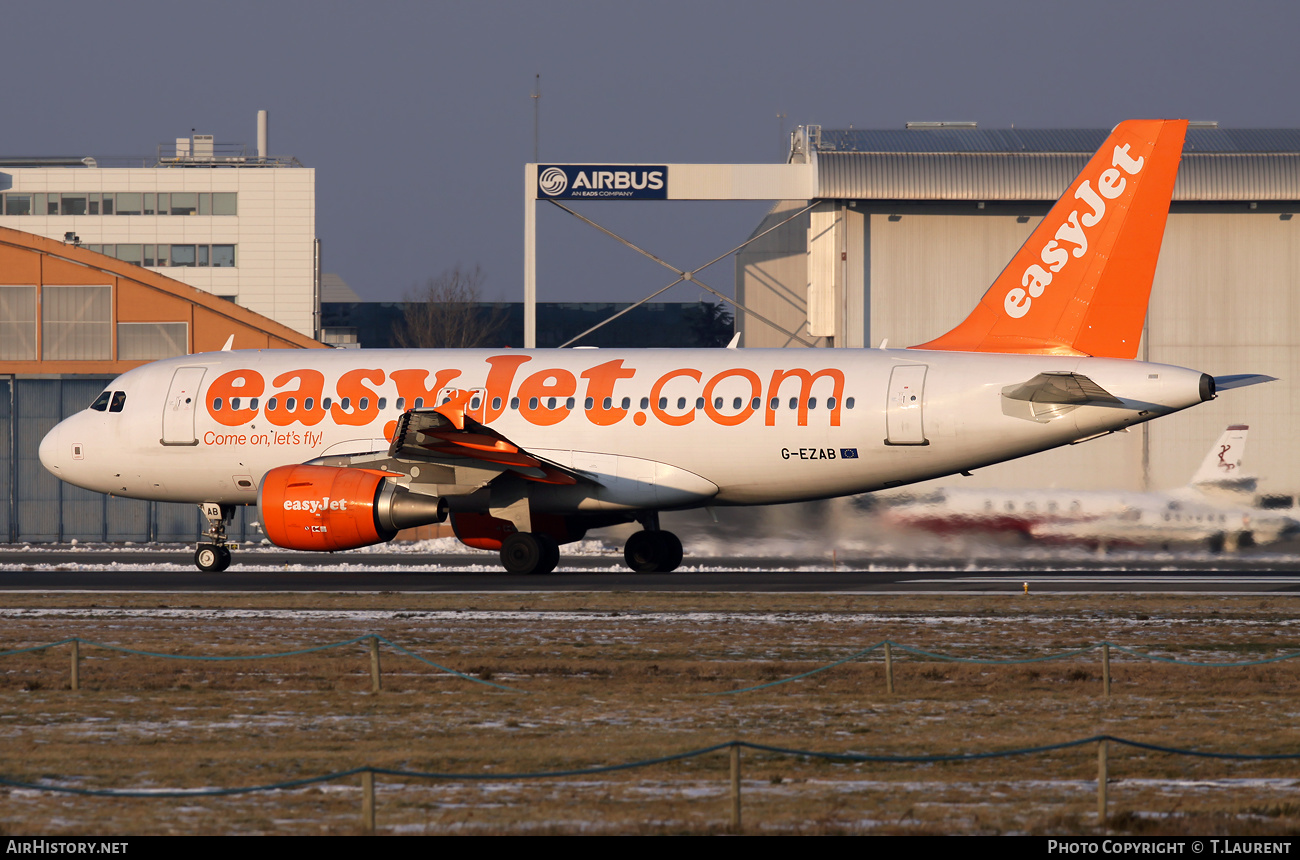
(1080, 283)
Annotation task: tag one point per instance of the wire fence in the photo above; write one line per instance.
(733, 748)
(886, 651)
(886, 648)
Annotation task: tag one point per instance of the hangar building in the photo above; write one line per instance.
(72, 319)
(908, 227)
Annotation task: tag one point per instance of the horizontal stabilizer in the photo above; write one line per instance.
(1071, 389)
(1240, 380)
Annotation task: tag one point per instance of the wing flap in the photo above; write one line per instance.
(447, 435)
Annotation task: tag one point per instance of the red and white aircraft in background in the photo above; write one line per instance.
(526, 450)
(1217, 509)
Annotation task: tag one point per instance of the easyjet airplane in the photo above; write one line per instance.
(527, 450)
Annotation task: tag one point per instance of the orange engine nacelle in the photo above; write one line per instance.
(327, 508)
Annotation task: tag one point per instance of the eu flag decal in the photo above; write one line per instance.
(848, 453)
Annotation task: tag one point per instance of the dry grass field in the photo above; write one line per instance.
(616, 678)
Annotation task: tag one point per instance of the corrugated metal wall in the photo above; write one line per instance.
(35, 506)
(1041, 176)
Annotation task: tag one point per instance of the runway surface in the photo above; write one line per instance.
(102, 568)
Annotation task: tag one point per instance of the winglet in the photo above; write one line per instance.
(1080, 283)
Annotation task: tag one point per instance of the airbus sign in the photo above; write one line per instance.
(602, 182)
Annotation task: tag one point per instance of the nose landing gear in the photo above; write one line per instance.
(212, 555)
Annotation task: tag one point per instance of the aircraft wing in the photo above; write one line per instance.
(445, 435)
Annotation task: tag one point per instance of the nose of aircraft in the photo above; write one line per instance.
(51, 451)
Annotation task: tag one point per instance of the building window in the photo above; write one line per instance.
(174, 256)
(18, 323)
(76, 323)
(18, 204)
(121, 203)
(146, 341)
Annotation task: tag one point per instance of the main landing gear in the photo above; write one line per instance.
(212, 555)
(530, 552)
(653, 551)
(649, 551)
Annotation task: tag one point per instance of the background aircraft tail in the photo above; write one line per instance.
(1221, 468)
(1080, 283)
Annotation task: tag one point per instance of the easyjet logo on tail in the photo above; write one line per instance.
(1071, 239)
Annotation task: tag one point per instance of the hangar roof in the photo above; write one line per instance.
(966, 163)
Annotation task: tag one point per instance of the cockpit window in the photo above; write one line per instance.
(119, 400)
(101, 402)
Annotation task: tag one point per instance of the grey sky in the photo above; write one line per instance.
(418, 120)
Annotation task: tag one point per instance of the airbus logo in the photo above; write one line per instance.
(552, 181)
(606, 181)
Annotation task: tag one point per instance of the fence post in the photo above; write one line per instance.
(735, 787)
(1102, 776)
(76, 664)
(368, 801)
(889, 670)
(374, 664)
(1105, 668)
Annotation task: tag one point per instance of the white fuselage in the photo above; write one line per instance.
(704, 426)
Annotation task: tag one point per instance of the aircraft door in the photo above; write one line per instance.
(904, 411)
(179, 408)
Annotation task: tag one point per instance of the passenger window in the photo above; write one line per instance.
(119, 400)
(101, 402)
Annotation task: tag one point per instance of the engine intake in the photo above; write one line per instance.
(327, 508)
